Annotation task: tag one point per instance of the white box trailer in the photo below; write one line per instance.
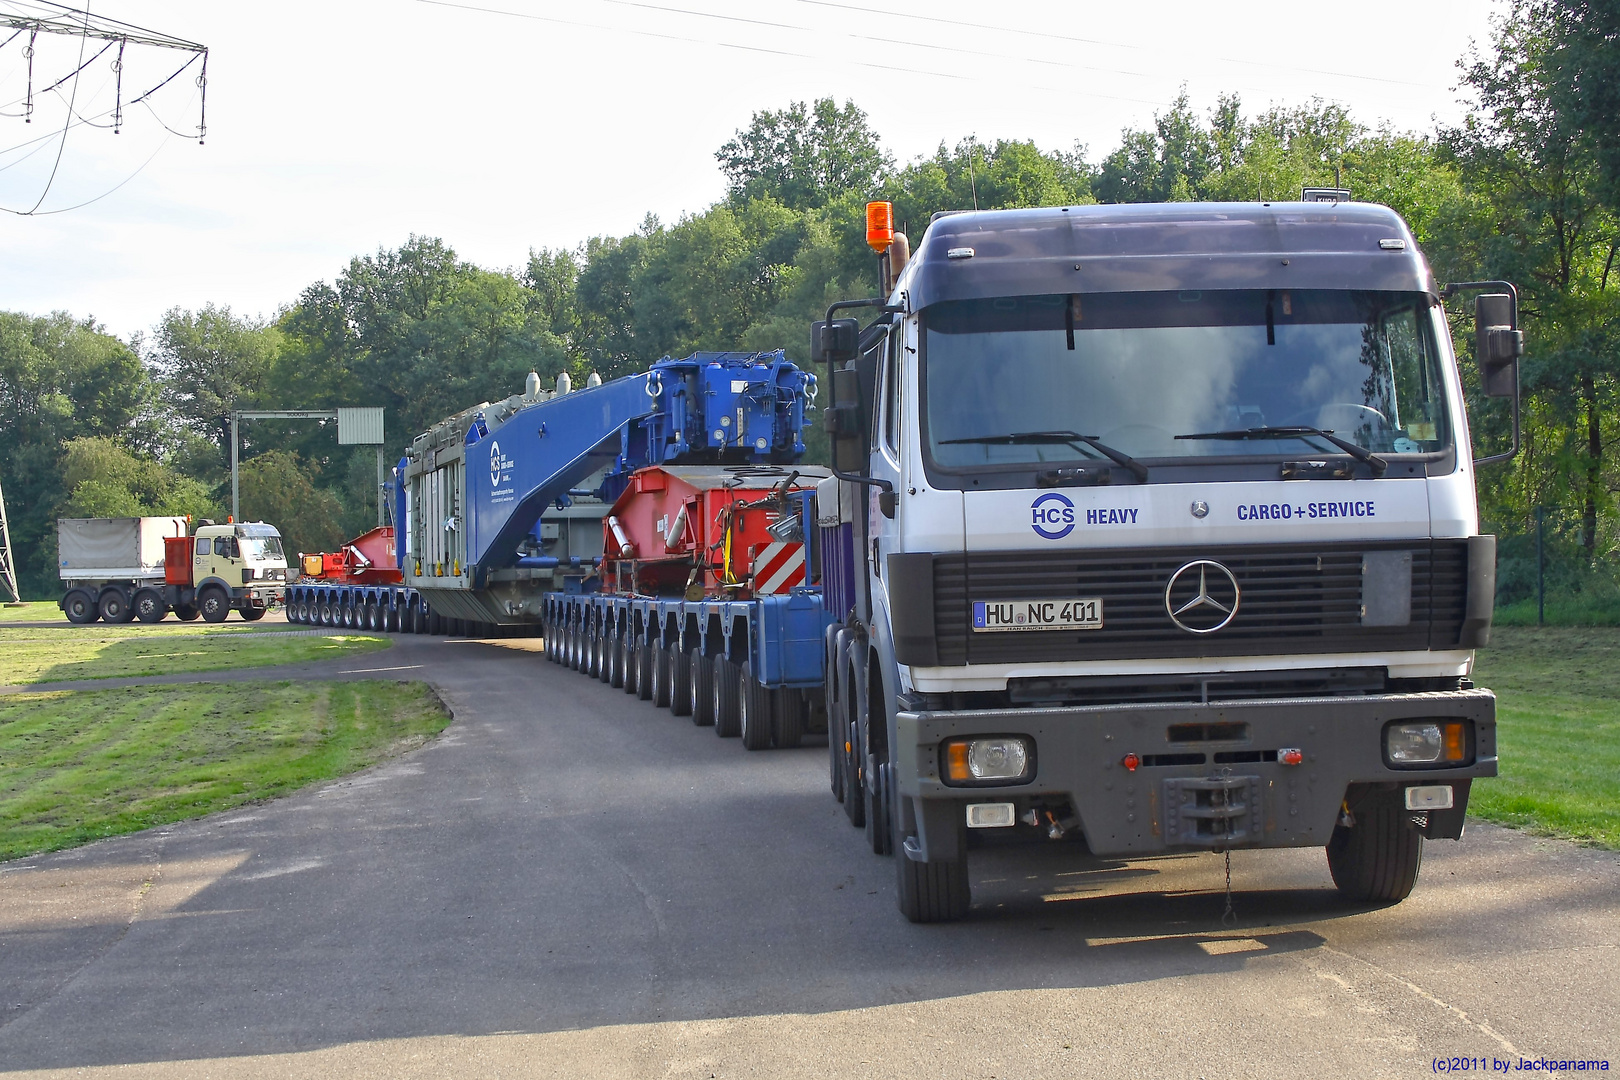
(95, 549)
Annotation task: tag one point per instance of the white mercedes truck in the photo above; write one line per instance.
(1154, 531)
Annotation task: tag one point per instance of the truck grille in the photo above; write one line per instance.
(1294, 601)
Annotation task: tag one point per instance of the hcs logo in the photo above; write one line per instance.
(1053, 516)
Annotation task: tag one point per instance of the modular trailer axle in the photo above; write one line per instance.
(748, 668)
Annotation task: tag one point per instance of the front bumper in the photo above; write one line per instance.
(1224, 799)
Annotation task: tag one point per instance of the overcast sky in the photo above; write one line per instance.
(339, 127)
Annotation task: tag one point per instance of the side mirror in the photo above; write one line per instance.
(834, 342)
(845, 422)
(1498, 344)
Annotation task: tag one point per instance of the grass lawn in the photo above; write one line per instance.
(80, 765)
(32, 611)
(1558, 731)
(99, 651)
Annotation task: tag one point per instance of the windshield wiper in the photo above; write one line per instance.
(1355, 450)
(1068, 438)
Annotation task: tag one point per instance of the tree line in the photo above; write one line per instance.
(1527, 188)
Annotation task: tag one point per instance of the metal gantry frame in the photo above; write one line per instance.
(366, 427)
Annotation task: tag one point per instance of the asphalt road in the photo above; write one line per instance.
(569, 882)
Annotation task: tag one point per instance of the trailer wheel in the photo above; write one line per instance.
(727, 722)
(787, 729)
(615, 659)
(754, 708)
(663, 675)
(680, 683)
(604, 646)
(186, 613)
(214, 604)
(700, 689)
(644, 671)
(80, 607)
(627, 661)
(1377, 859)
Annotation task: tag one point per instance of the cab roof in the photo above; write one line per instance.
(1163, 247)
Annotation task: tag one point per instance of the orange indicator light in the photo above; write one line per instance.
(1456, 745)
(956, 761)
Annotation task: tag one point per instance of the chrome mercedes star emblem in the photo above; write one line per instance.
(1200, 508)
(1214, 603)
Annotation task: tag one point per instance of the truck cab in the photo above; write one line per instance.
(1168, 540)
(238, 566)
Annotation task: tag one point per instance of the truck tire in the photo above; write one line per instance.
(253, 614)
(931, 892)
(701, 689)
(80, 607)
(148, 606)
(754, 710)
(880, 810)
(680, 683)
(853, 753)
(391, 619)
(787, 727)
(605, 669)
(113, 607)
(727, 722)
(1376, 860)
(662, 672)
(186, 613)
(435, 623)
(214, 604)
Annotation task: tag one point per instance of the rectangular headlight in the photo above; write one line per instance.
(1427, 742)
(999, 759)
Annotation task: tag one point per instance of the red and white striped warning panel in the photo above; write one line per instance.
(777, 567)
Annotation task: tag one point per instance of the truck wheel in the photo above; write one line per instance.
(214, 604)
(680, 683)
(148, 606)
(663, 663)
(727, 722)
(787, 728)
(80, 607)
(700, 689)
(854, 753)
(114, 607)
(835, 745)
(930, 892)
(1376, 860)
(253, 614)
(754, 709)
(435, 622)
(604, 646)
(391, 620)
(186, 613)
(880, 810)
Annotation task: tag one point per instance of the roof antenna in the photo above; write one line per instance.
(973, 144)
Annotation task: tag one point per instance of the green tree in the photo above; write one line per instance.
(1540, 220)
(212, 362)
(60, 379)
(804, 156)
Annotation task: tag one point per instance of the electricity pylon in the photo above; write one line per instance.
(8, 565)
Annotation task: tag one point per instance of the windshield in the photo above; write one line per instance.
(1133, 371)
(263, 548)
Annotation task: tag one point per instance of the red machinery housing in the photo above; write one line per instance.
(368, 559)
(703, 532)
